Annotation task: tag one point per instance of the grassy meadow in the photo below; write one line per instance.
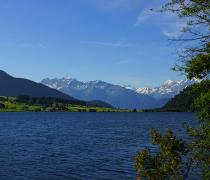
(12, 104)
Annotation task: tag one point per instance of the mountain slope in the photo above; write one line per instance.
(97, 103)
(10, 86)
(115, 95)
(168, 89)
(185, 100)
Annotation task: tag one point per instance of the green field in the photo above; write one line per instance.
(11, 104)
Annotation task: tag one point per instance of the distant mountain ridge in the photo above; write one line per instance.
(119, 96)
(115, 95)
(98, 93)
(168, 89)
(11, 86)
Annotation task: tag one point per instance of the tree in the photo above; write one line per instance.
(195, 63)
(194, 57)
(2, 106)
(134, 110)
(166, 163)
(201, 136)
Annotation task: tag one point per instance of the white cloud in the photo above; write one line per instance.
(170, 24)
(144, 16)
(173, 26)
(171, 34)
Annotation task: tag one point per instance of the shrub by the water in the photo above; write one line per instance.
(92, 110)
(2, 106)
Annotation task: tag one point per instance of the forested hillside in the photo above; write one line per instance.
(184, 101)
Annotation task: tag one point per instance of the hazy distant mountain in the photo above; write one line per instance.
(115, 95)
(167, 90)
(119, 96)
(10, 86)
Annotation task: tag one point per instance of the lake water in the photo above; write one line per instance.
(65, 146)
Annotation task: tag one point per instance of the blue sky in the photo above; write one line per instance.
(118, 41)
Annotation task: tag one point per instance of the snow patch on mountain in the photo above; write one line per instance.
(119, 96)
(168, 89)
(129, 87)
(115, 95)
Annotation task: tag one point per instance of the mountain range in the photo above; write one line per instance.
(168, 89)
(119, 96)
(11, 86)
(115, 95)
(98, 93)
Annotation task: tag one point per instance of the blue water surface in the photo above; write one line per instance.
(65, 146)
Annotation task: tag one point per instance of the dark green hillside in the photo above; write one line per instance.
(11, 86)
(98, 103)
(184, 101)
(29, 92)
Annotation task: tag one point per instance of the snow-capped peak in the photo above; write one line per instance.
(144, 90)
(129, 87)
(169, 82)
(165, 91)
(168, 89)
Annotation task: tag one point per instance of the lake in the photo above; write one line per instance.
(65, 146)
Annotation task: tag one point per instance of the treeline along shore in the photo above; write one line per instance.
(48, 104)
